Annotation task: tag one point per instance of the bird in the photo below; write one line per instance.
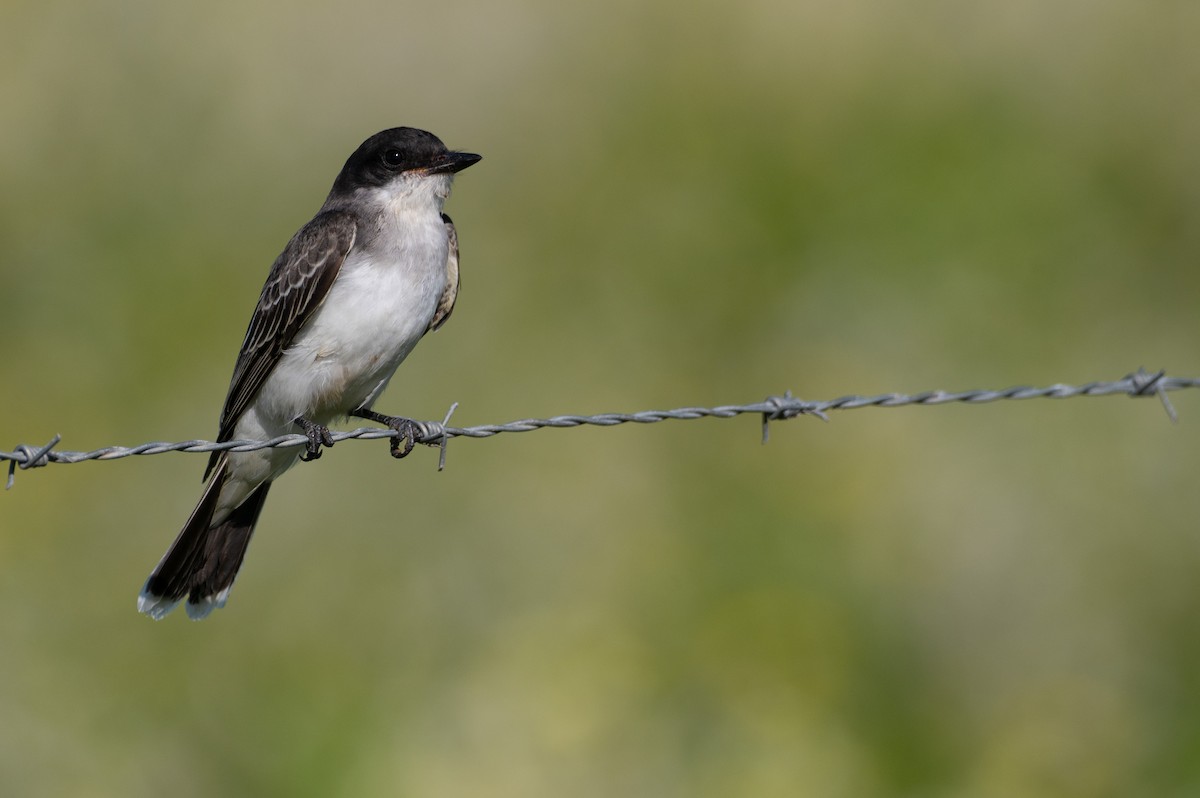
(346, 301)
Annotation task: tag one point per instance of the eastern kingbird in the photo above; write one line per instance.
(349, 298)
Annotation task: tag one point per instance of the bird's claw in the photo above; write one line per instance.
(402, 446)
(318, 435)
(408, 429)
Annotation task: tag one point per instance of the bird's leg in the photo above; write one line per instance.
(407, 428)
(318, 435)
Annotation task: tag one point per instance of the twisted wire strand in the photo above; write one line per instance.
(775, 408)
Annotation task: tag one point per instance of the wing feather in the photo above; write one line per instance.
(450, 292)
(299, 281)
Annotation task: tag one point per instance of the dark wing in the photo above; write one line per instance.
(296, 286)
(450, 292)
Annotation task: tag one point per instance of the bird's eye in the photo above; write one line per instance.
(393, 158)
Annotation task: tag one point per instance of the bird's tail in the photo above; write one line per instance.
(204, 560)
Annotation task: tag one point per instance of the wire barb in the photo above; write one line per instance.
(1146, 384)
(787, 406)
(445, 439)
(28, 457)
(773, 408)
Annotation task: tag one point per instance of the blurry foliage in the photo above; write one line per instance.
(678, 204)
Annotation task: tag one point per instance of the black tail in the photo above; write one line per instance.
(204, 560)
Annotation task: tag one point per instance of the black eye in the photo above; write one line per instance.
(393, 158)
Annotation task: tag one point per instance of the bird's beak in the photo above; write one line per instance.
(452, 162)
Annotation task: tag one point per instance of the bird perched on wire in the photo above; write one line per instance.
(344, 304)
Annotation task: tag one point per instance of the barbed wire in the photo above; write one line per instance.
(774, 408)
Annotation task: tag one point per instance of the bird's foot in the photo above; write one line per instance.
(318, 435)
(407, 428)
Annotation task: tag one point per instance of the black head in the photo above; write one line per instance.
(390, 153)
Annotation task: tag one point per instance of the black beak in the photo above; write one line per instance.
(453, 162)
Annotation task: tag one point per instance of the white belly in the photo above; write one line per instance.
(341, 361)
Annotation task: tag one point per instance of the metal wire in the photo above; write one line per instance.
(775, 408)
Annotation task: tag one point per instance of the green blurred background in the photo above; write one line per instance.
(680, 204)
